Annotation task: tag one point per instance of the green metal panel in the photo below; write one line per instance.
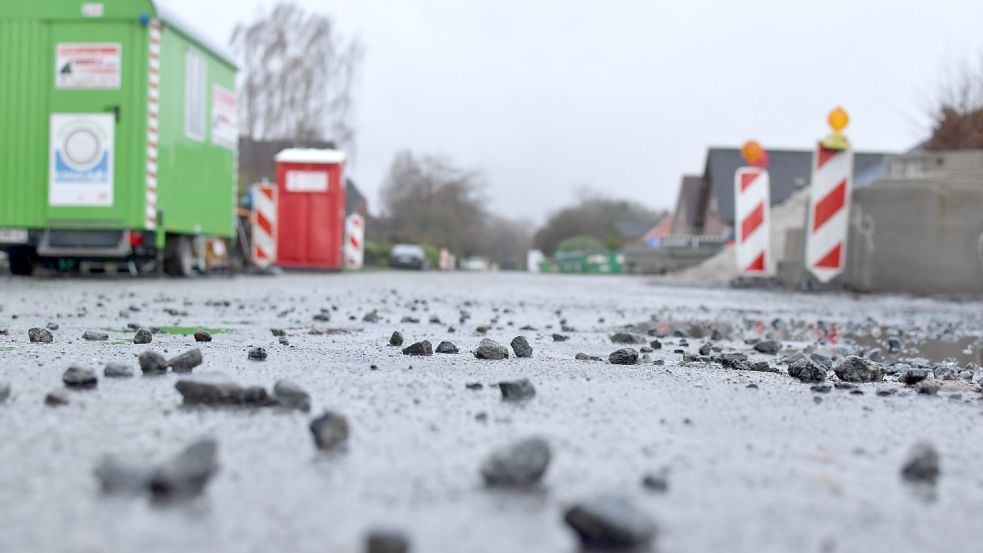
(196, 180)
(29, 32)
(23, 140)
(126, 210)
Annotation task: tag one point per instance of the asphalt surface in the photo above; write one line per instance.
(749, 469)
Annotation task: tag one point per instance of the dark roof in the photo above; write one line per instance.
(788, 169)
(256, 157)
(691, 200)
(354, 199)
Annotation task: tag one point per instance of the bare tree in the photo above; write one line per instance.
(612, 221)
(429, 200)
(957, 116)
(297, 77)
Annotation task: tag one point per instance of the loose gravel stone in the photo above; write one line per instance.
(922, 464)
(203, 336)
(143, 336)
(52, 326)
(610, 523)
(152, 362)
(371, 317)
(446, 347)
(79, 377)
(807, 370)
(187, 361)
(733, 360)
(894, 345)
(490, 349)
(257, 354)
(40, 335)
(118, 478)
(658, 482)
(858, 369)
(913, 376)
(56, 398)
(330, 430)
(928, 387)
(95, 336)
(214, 393)
(769, 347)
(117, 370)
(290, 395)
(624, 356)
(186, 474)
(422, 348)
(627, 338)
(560, 338)
(386, 541)
(277, 332)
(396, 339)
(520, 345)
(4, 391)
(517, 390)
(520, 464)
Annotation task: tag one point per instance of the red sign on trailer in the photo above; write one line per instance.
(310, 208)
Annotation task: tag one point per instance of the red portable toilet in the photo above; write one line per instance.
(310, 208)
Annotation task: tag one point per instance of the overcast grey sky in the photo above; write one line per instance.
(624, 96)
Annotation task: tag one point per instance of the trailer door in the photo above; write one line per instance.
(93, 146)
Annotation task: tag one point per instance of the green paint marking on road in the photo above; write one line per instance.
(189, 330)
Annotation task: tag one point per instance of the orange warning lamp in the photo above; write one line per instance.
(838, 120)
(754, 154)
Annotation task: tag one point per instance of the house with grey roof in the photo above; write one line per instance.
(706, 202)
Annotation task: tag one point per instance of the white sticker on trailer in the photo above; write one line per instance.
(307, 181)
(80, 169)
(225, 128)
(88, 65)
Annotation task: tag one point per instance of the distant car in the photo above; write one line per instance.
(408, 256)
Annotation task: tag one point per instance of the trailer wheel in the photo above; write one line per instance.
(179, 258)
(21, 262)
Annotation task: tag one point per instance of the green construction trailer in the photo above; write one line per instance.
(118, 138)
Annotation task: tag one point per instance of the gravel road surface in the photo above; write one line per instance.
(717, 458)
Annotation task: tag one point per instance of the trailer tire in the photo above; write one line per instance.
(21, 262)
(179, 259)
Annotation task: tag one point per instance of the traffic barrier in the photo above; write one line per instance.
(829, 209)
(264, 224)
(752, 193)
(354, 241)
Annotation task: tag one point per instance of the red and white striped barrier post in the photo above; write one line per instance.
(153, 109)
(354, 249)
(264, 225)
(752, 213)
(829, 202)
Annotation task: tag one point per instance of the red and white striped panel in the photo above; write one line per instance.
(829, 210)
(264, 224)
(752, 213)
(354, 241)
(153, 108)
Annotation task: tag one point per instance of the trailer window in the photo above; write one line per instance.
(194, 96)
